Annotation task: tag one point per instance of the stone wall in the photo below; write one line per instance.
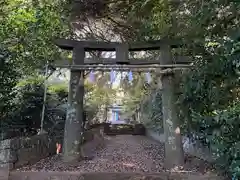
(18, 152)
(194, 149)
(93, 139)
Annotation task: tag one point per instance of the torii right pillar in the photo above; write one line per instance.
(174, 156)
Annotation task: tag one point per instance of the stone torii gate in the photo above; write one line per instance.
(165, 65)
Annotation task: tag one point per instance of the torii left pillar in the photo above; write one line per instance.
(73, 125)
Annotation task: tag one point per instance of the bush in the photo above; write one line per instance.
(24, 116)
(8, 80)
(60, 90)
(221, 131)
(207, 109)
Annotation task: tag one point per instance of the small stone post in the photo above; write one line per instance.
(73, 124)
(173, 142)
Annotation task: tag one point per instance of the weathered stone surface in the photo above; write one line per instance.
(5, 144)
(17, 152)
(4, 175)
(7, 166)
(22, 151)
(96, 141)
(88, 136)
(10, 144)
(35, 149)
(8, 156)
(190, 148)
(24, 156)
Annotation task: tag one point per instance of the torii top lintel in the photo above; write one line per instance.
(68, 44)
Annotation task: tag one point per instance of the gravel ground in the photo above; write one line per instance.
(123, 153)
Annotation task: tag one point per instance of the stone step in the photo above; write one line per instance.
(108, 176)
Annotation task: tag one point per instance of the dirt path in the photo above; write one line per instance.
(123, 153)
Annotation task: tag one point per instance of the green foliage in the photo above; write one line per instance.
(31, 80)
(209, 91)
(55, 88)
(134, 91)
(98, 95)
(221, 131)
(211, 30)
(8, 80)
(28, 30)
(25, 113)
(151, 112)
(213, 84)
(27, 33)
(61, 90)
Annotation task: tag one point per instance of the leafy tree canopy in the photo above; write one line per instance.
(28, 29)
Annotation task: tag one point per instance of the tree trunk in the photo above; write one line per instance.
(173, 141)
